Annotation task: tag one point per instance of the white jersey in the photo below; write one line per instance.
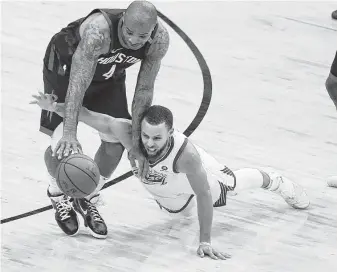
(165, 182)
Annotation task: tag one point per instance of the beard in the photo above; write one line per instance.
(157, 153)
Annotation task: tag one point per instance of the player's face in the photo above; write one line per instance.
(135, 35)
(155, 138)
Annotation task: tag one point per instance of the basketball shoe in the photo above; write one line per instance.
(65, 215)
(291, 192)
(92, 219)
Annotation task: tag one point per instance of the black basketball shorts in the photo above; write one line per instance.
(108, 97)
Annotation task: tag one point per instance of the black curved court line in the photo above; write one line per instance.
(206, 99)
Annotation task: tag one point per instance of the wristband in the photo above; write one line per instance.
(204, 244)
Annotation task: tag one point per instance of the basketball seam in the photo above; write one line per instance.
(82, 157)
(72, 181)
(83, 172)
(76, 156)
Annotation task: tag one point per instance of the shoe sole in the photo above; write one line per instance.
(96, 235)
(305, 203)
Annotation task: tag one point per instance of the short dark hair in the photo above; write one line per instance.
(156, 115)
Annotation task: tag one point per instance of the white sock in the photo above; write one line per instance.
(53, 189)
(95, 193)
(274, 184)
(248, 178)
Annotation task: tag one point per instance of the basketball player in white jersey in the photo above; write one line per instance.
(181, 173)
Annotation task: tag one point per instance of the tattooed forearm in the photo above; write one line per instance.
(142, 100)
(147, 75)
(83, 67)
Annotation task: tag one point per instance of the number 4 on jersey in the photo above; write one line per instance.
(110, 73)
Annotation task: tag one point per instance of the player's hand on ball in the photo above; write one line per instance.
(45, 101)
(143, 165)
(67, 145)
(205, 249)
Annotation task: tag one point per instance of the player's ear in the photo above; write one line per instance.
(171, 132)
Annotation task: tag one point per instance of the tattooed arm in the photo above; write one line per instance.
(147, 75)
(143, 96)
(95, 39)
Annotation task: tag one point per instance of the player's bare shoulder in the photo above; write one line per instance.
(95, 35)
(160, 43)
(189, 160)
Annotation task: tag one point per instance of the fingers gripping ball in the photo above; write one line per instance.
(77, 176)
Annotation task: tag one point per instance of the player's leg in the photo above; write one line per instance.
(250, 178)
(65, 215)
(86, 206)
(108, 98)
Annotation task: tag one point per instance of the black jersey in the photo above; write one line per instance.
(110, 66)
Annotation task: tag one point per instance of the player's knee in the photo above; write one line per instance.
(50, 161)
(112, 149)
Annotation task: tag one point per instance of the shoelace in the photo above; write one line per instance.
(63, 208)
(286, 194)
(93, 211)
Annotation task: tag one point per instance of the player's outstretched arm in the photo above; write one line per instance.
(120, 128)
(190, 163)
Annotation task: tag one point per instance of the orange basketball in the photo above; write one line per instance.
(77, 176)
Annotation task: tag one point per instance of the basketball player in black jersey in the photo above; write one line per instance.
(331, 86)
(85, 64)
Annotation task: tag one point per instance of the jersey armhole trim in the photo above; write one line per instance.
(181, 149)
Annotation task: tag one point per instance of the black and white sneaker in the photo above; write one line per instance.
(65, 214)
(92, 218)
